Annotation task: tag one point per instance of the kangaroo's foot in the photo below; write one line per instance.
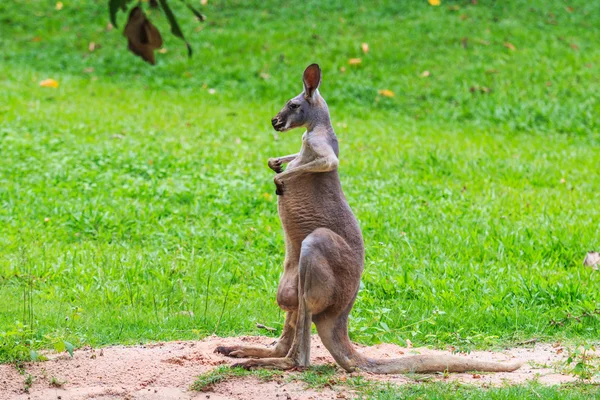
(280, 350)
(250, 351)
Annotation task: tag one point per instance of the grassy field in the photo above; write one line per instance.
(136, 204)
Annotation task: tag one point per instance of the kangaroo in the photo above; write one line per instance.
(324, 254)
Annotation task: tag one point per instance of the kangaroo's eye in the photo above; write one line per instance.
(293, 106)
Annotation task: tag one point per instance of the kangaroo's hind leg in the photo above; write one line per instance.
(280, 350)
(316, 293)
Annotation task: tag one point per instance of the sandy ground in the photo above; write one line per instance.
(166, 371)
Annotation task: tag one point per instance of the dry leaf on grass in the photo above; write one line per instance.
(482, 89)
(592, 259)
(386, 93)
(365, 47)
(425, 74)
(434, 2)
(59, 6)
(354, 61)
(267, 328)
(51, 83)
(510, 46)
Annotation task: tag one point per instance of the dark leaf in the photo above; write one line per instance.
(197, 13)
(113, 8)
(175, 29)
(142, 37)
(151, 35)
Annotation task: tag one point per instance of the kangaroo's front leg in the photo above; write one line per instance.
(322, 164)
(276, 163)
(320, 158)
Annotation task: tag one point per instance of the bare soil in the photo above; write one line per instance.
(166, 371)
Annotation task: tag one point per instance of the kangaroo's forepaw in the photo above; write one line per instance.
(279, 188)
(275, 164)
(267, 363)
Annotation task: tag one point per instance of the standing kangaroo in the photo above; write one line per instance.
(324, 254)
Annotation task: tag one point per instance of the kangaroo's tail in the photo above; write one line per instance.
(334, 335)
(432, 363)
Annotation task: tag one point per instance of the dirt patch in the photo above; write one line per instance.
(166, 371)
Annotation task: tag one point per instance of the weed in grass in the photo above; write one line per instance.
(28, 383)
(206, 381)
(55, 382)
(318, 376)
(581, 363)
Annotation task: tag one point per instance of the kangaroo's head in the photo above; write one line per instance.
(308, 109)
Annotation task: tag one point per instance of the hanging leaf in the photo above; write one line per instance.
(142, 37)
(175, 29)
(113, 8)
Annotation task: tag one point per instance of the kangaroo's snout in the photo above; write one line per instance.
(277, 123)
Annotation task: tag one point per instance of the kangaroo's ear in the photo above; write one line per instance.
(312, 80)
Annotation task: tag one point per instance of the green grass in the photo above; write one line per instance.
(439, 391)
(135, 205)
(358, 387)
(205, 382)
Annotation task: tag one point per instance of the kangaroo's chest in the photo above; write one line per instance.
(305, 155)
